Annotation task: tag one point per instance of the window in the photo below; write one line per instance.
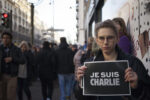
(5, 4)
(0, 4)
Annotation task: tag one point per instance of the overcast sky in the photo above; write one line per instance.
(64, 15)
(111, 7)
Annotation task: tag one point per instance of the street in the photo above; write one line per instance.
(36, 91)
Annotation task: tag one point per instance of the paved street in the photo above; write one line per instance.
(36, 91)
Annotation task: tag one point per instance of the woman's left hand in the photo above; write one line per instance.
(132, 77)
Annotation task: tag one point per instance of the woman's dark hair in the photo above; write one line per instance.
(63, 40)
(106, 24)
(122, 24)
(46, 44)
(7, 33)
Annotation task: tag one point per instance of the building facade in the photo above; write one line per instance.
(21, 19)
(39, 28)
(80, 21)
(89, 12)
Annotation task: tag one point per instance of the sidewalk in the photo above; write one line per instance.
(36, 91)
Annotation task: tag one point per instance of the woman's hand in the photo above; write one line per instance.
(80, 72)
(132, 77)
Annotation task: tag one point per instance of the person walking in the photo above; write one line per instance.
(11, 57)
(46, 62)
(65, 69)
(25, 72)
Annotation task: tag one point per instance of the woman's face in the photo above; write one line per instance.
(107, 40)
(23, 48)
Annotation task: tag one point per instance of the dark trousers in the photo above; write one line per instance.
(23, 84)
(47, 88)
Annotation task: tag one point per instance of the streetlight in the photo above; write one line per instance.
(33, 3)
(52, 29)
(52, 3)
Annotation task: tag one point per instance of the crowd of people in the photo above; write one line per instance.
(21, 65)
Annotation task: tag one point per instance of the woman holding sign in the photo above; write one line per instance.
(135, 74)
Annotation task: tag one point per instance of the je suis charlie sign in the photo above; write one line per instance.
(106, 78)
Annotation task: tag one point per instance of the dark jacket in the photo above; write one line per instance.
(17, 58)
(87, 56)
(64, 59)
(46, 63)
(29, 58)
(0, 63)
(144, 80)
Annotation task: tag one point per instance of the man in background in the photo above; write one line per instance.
(10, 58)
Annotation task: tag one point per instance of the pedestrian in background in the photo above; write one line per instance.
(85, 45)
(65, 69)
(25, 72)
(35, 51)
(46, 62)
(124, 38)
(74, 49)
(33, 64)
(77, 58)
(87, 55)
(11, 57)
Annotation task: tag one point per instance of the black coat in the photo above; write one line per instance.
(29, 58)
(143, 90)
(64, 59)
(17, 58)
(46, 62)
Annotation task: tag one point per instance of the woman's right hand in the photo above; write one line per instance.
(80, 72)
